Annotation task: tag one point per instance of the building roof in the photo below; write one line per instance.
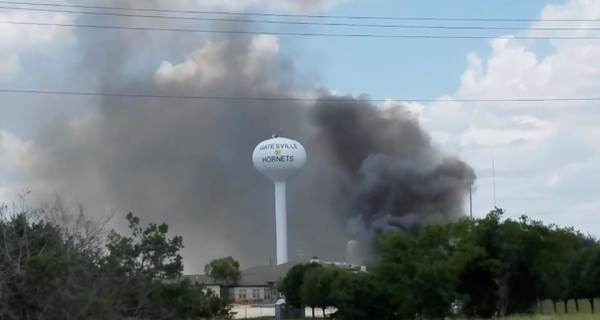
(267, 275)
(253, 277)
(264, 275)
(202, 278)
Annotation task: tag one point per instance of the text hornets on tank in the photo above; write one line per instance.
(278, 157)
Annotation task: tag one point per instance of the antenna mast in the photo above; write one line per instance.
(494, 176)
(280, 120)
(471, 200)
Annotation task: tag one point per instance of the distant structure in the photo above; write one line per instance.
(353, 255)
(279, 159)
(258, 285)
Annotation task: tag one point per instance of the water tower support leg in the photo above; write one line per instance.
(281, 222)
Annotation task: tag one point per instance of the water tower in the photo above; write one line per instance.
(279, 159)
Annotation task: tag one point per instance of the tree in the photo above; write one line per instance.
(562, 266)
(146, 256)
(309, 291)
(47, 270)
(148, 253)
(421, 271)
(504, 279)
(590, 275)
(186, 300)
(226, 270)
(325, 287)
(360, 296)
(292, 284)
(55, 265)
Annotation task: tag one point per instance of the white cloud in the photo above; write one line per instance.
(546, 153)
(9, 66)
(208, 67)
(204, 67)
(12, 153)
(19, 39)
(12, 150)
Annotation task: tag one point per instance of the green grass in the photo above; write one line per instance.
(536, 317)
(584, 307)
(548, 312)
(539, 317)
(559, 317)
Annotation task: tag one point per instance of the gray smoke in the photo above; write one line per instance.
(391, 163)
(188, 161)
(396, 180)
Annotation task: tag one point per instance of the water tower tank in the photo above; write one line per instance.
(279, 159)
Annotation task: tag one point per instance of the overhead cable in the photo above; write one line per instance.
(350, 17)
(303, 23)
(309, 34)
(298, 99)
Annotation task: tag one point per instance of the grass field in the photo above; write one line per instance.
(246, 312)
(584, 307)
(559, 317)
(539, 317)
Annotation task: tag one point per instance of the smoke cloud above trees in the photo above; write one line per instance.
(188, 161)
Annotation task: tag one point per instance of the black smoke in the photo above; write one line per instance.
(187, 161)
(395, 178)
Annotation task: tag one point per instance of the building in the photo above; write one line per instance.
(209, 283)
(258, 285)
(255, 285)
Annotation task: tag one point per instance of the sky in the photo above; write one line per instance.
(545, 154)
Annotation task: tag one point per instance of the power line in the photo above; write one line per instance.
(204, 97)
(355, 17)
(304, 23)
(314, 34)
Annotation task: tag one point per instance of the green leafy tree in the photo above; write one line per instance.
(325, 287)
(590, 275)
(562, 265)
(553, 265)
(53, 265)
(421, 272)
(505, 278)
(360, 296)
(147, 253)
(186, 300)
(309, 291)
(292, 284)
(138, 260)
(226, 270)
(47, 271)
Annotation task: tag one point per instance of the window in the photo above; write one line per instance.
(242, 294)
(255, 293)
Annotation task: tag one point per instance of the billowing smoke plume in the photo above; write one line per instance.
(188, 161)
(396, 180)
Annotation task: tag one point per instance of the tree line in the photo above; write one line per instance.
(471, 267)
(58, 265)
